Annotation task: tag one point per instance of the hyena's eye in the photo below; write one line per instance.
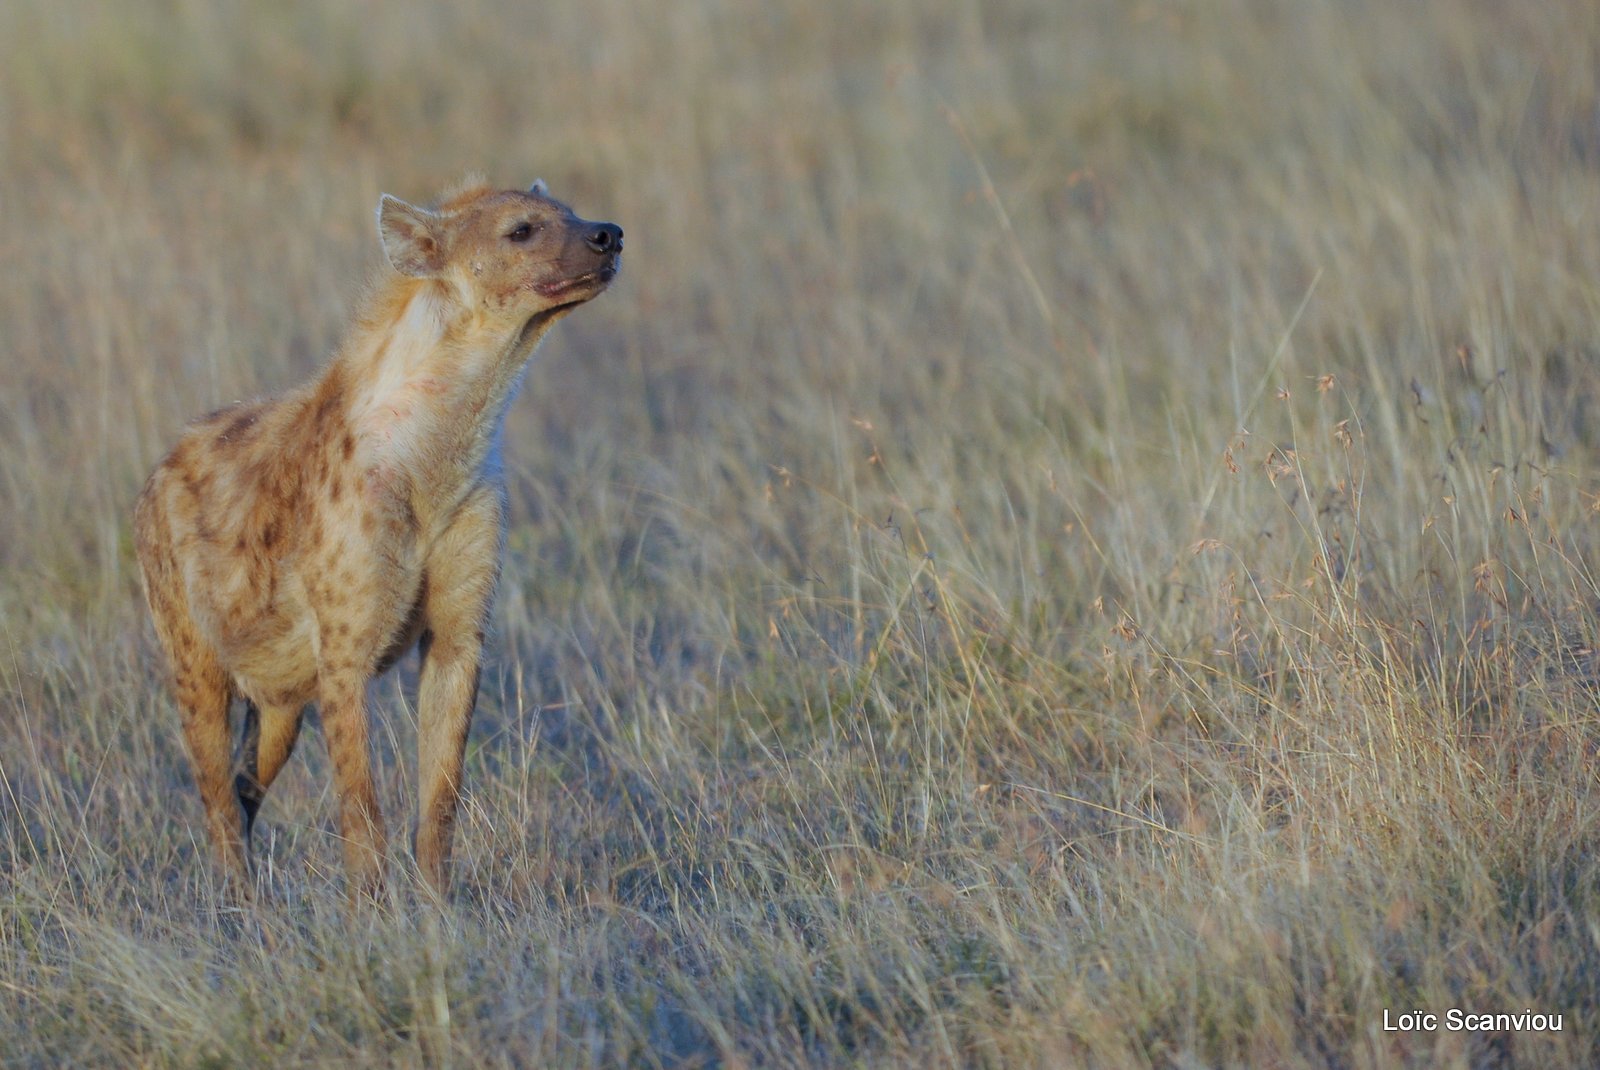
(520, 232)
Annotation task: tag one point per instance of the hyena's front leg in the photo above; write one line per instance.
(353, 578)
(345, 724)
(462, 570)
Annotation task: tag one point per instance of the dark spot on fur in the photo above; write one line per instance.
(237, 431)
(349, 445)
(325, 410)
(269, 535)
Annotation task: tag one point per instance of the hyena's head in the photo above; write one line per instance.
(516, 257)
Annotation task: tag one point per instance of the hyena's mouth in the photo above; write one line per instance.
(595, 280)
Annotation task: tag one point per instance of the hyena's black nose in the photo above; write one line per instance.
(606, 238)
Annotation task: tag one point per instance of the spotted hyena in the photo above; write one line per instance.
(293, 548)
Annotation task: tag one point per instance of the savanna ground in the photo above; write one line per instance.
(1070, 542)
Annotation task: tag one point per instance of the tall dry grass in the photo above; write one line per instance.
(1069, 543)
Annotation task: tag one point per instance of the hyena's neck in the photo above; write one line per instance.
(427, 383)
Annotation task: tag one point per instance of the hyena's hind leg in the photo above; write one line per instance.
(199, 683)
(203, 696)
(267, 740)
(204, 692)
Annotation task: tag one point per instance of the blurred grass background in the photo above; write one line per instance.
(1068, 544)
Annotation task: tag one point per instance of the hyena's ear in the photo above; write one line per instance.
(412, 237)
(539, 189)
